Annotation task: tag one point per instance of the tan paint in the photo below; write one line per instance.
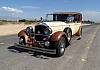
(57, 26)
(78, 32)
(60, 26)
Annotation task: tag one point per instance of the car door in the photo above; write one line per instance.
(73, 27)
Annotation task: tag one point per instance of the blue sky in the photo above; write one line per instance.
(38, 8)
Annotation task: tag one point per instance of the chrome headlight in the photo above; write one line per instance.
(47, 43)
(29, 29)
(47, 31)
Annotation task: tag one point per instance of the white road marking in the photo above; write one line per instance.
(83, 60)
(87, 47)
(1, 43)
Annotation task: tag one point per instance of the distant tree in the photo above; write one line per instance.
(22, 20)
(88, 22)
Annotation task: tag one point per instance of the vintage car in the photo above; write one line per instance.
(53, 35)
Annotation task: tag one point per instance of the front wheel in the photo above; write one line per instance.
(60, 47)
(22, 41)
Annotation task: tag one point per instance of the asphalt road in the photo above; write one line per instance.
(82, 54)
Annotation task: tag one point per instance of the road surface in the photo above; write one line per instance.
(82, 54)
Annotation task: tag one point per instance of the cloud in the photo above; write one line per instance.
(11, 10)
(30, 7)
(91, 15)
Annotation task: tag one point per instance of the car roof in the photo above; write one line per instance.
(65, 13)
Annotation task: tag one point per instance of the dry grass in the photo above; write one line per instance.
(10, 29)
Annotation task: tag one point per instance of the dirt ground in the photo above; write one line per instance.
(11, 29)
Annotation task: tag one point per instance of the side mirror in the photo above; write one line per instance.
(41, 19)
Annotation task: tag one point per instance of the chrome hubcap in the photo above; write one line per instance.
(21, 40)
(62, 48)
(69, 36)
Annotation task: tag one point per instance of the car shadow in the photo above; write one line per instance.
(16, 50)
(35, 54)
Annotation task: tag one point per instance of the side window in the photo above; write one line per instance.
(78, 18)
(70, 18)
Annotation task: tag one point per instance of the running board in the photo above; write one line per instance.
(35, 49)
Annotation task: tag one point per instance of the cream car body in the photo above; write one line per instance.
(60, 26)
(54, 35)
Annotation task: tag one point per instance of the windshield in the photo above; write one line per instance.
(49, 17)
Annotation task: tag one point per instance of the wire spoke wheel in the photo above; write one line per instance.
(22, 41)
(69, 35)
(60, 46)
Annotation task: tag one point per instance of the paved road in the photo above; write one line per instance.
(80, 55)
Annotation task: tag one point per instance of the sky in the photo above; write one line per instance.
(39, 8)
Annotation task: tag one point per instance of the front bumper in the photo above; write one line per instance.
(36, 49)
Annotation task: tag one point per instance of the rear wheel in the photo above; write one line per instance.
(60, 47)
(69, 34)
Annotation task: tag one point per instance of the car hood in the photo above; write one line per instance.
(56, 23)
(56, 26)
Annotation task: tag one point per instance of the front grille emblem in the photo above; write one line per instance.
(38, 32)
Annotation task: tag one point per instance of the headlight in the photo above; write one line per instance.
(47, 43)
(47, 31)
(29, 29)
